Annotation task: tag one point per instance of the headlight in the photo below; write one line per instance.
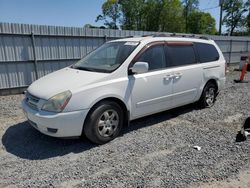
(58, 102)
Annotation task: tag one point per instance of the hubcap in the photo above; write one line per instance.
(108, 123)
(210, 95)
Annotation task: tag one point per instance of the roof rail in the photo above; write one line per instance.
(204, 37)
(180, 35)
(171, 35)
(134, 36)
(161, 35)
(149, 35)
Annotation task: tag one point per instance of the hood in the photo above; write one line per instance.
(63, 80)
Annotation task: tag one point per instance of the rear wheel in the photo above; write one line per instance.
(104, 122)
(208, 96)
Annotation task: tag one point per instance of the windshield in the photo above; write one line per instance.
(107, 57)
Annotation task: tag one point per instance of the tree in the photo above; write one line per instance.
(248, 22)
(201, 23)
(171, 17)
(248, 16)
(189, 7)
(132, 14)
(153, 10)
(110, 14)
(235, 14)
(157, 15)
(92, 26)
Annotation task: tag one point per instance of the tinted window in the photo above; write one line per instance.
(181, 55)
(155, 57)
(207, 52)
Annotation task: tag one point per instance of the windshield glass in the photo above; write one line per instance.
(106, 58)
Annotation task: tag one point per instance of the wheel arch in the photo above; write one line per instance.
(114, 99)
(213, 81)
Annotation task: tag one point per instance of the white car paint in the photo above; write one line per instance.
(52, 84)
(142, 94)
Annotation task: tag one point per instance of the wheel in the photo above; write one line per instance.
(104, 122)
(208, 96)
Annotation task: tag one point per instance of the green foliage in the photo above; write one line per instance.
(111, 10)
(133, 14)
(157, 15)
(235, 14)
(247, 5)
(201, 23)
(171, 17)
(93, 26)
(248, 22)
(189, 7)
(152, 13)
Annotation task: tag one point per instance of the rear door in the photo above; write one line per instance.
(187, 73)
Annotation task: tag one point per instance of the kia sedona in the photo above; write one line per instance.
(123, 80)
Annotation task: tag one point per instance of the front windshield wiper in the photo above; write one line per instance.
(83, 68)
(90, 69)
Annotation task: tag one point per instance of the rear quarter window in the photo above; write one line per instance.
(206, 52)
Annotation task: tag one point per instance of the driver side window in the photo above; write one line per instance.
(155, 57)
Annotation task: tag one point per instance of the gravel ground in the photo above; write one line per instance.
(156, 151)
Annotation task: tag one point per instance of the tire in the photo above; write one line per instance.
(208, 96)
(104, 122)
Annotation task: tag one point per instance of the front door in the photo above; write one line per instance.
(151, 91)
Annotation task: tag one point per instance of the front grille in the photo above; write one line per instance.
(32, 101)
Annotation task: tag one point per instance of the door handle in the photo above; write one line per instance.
(177, 75)
(168, 77)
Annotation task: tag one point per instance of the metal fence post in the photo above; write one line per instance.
(247, 46)
(105, 38)
(34, 54)
(230, 52)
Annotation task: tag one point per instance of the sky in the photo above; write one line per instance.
(75, 13)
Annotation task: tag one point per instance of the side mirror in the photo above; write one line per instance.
(139, 67)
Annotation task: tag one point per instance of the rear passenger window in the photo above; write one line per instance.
(155, 57)
(181, 55)
(207, 52)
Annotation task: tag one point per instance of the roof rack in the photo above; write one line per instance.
(179, 35)
(171, 35)
(134, 36)
(149, 35)
(204, 37)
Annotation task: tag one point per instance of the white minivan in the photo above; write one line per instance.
(124, 80)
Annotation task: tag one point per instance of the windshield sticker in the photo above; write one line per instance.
(132, 43)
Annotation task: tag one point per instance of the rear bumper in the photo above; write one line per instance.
(221, 83)
(65, 124)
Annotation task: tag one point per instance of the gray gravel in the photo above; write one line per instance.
(156, 151)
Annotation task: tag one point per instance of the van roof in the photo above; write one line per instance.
(167, 38)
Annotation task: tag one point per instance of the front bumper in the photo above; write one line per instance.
(64, 124)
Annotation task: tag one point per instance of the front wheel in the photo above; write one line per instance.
(104, 122)
(208, 96)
